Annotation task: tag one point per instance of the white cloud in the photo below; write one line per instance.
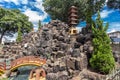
(24, 1)
(79, 29)
(44, 23)
(7, 38)
(35, 28)
(111, 30)
(33, 16)
(1, 5)
(106, 1)
(14, 1)
(114, 26)
(40, 6)
(5, 0)
(17, 2)
(105, 13)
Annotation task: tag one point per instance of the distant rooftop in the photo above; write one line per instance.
(114, 32)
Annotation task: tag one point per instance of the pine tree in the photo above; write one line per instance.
(102, 58)
(19, 37)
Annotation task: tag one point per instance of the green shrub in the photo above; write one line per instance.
(4, 79)
(102, 59)
(102, 62)
(19, 37)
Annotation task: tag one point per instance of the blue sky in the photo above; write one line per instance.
(112, 16)
(35, 11)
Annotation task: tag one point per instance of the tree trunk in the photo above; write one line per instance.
(2, 34)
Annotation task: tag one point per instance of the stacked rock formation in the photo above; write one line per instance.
(67, 55)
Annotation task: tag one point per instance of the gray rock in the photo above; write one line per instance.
(75, 53)
(55, 49)
(61, 38)
(80, 39)
(85, 47)
(63, 77)
(77, 45)
(51, 76)
(88, 37)
(60, 54)
(56, 68)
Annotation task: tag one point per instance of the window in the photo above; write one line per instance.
(74, 31)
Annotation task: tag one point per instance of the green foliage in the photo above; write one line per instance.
(58, 9)
(102, 59)
(102, 62)
(113, 4)
(4, 79)
(19, 37)
(11, 20)
(39, 24)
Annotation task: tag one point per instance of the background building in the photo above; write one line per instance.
(115, 37)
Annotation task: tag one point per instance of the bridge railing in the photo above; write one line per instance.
(32, 60)
(28, 59)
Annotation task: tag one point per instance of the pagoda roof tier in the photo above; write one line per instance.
(72, 19)
(73, 22)
(73, 11)
(73, 7)
(73, 16)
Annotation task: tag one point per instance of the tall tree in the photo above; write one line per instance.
(58, 9)
(11, 20)
(19, 37)
(102, 58)
(39, 24)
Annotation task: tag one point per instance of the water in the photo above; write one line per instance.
(23, 73)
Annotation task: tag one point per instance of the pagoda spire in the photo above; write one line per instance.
(73, 16)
